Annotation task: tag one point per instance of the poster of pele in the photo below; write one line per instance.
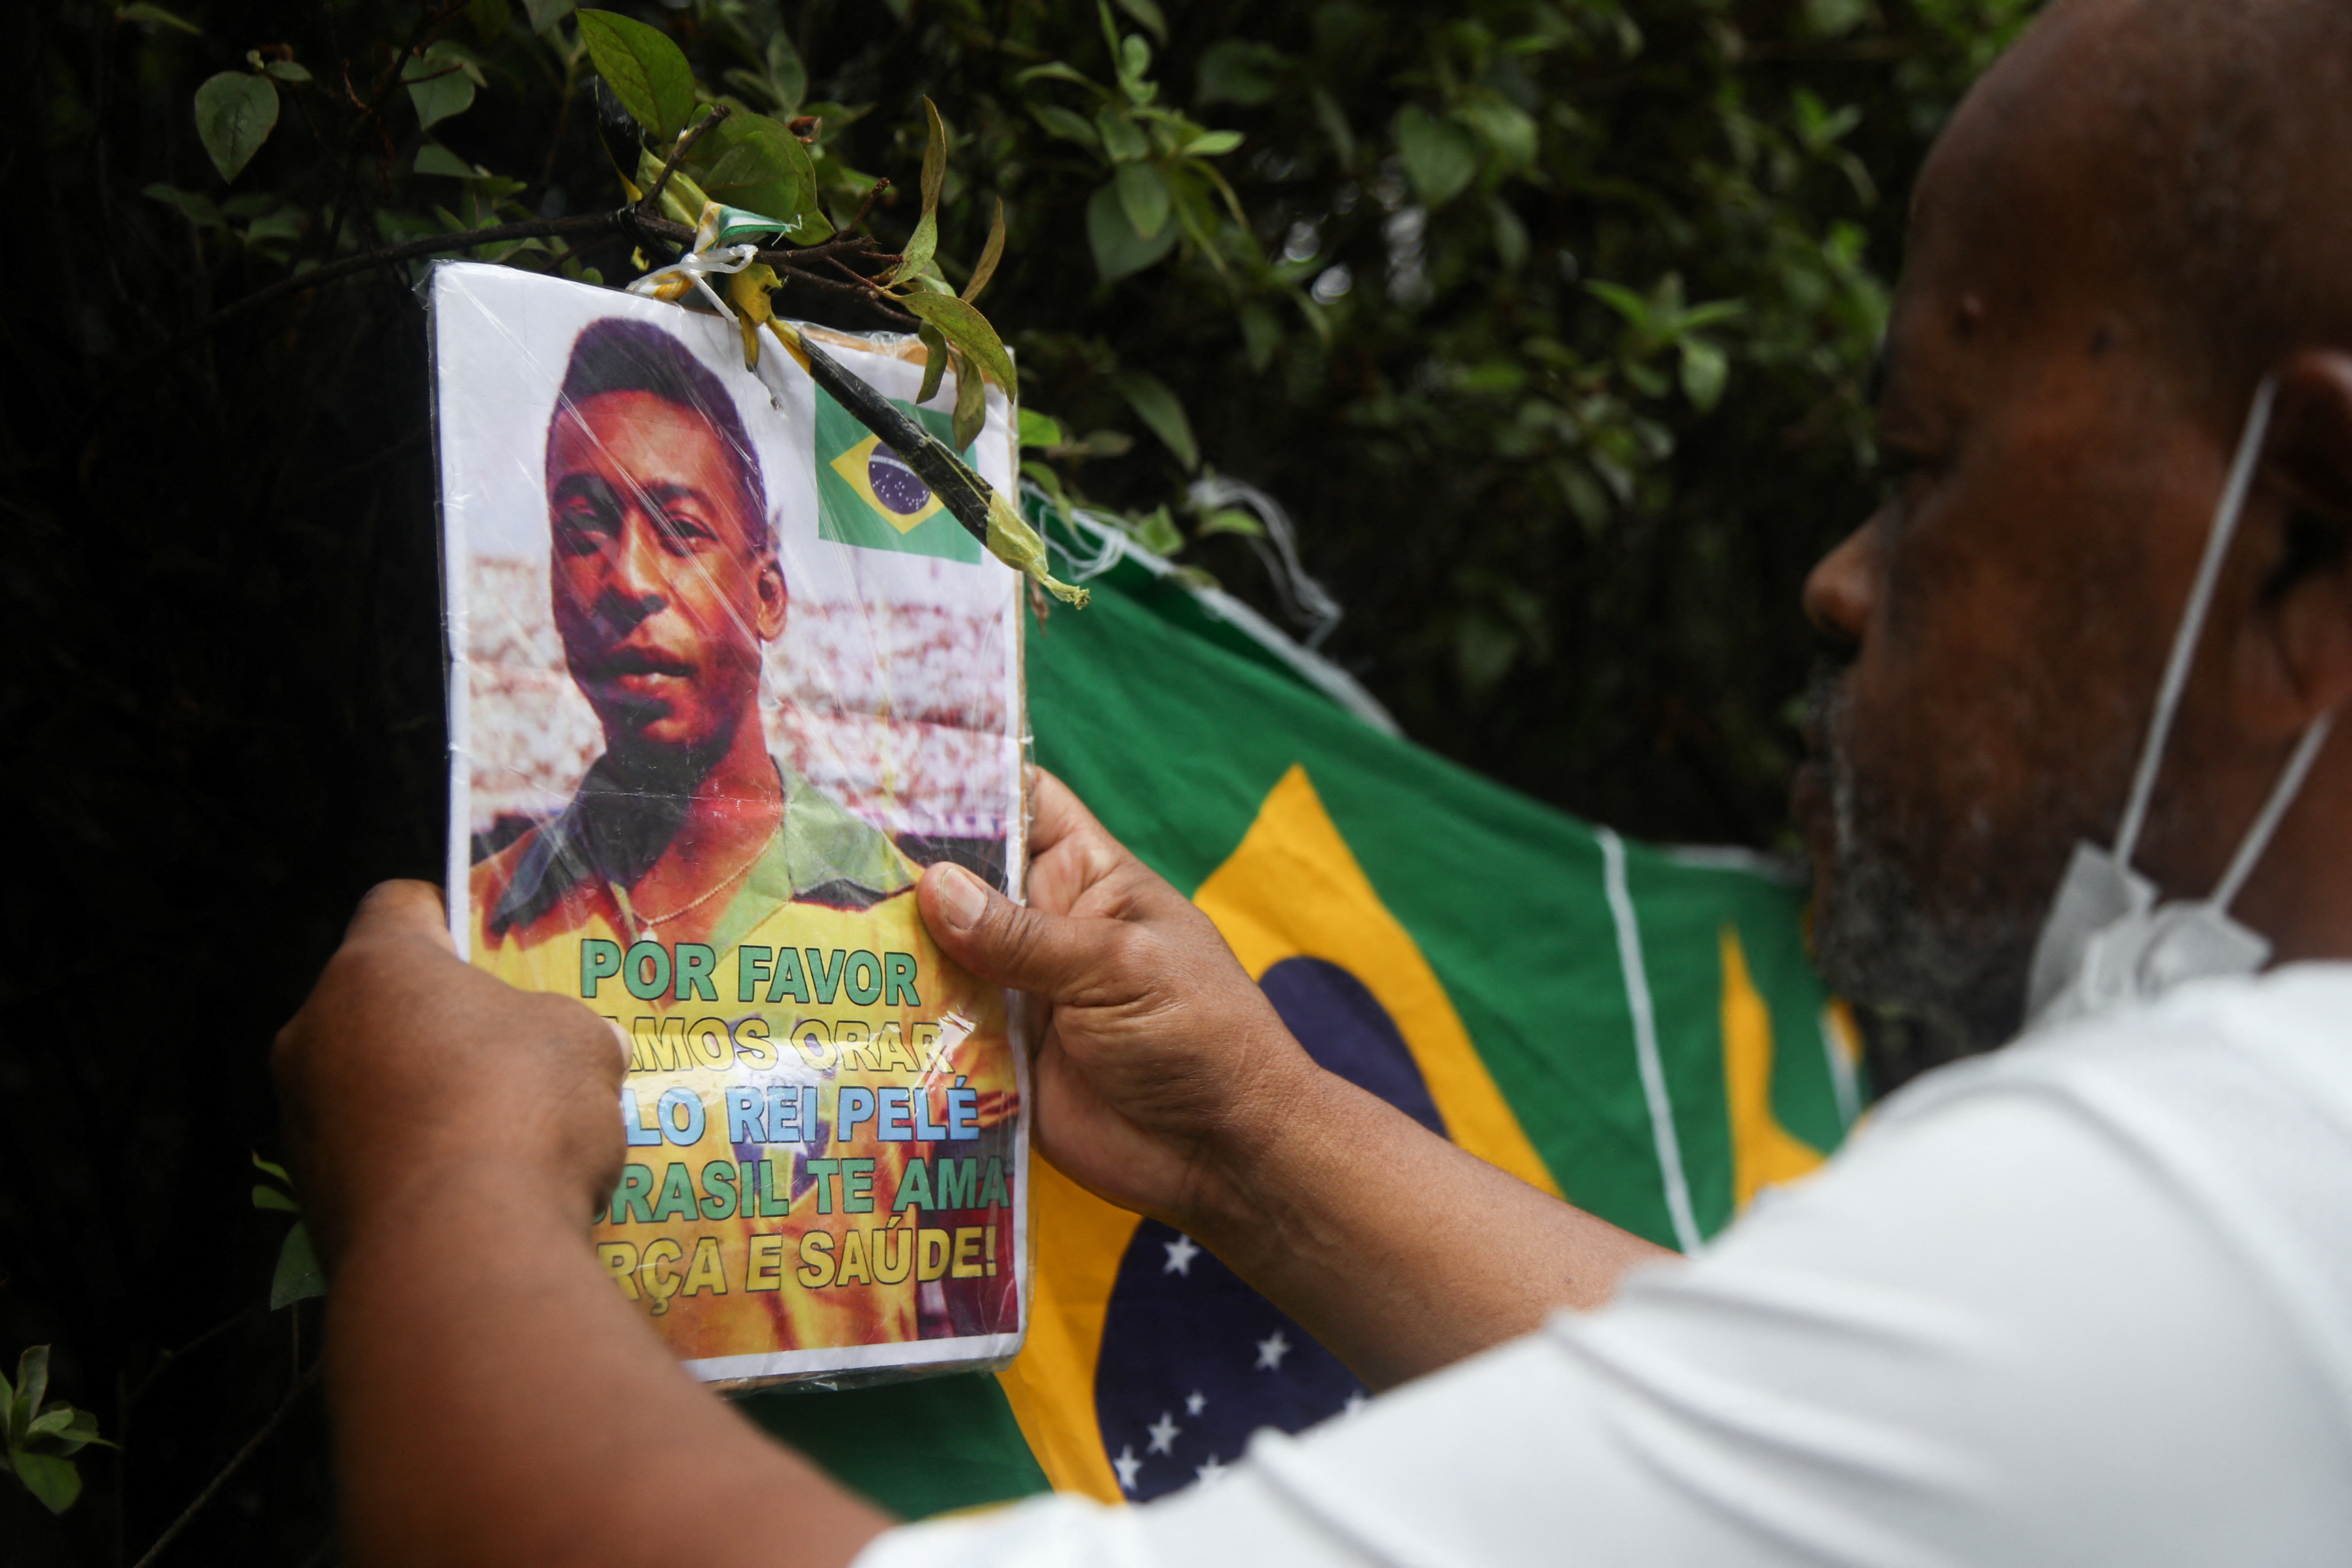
(723, 678)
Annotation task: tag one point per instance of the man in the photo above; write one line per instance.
(2082, 1301)
(688, 843)
(665, 589)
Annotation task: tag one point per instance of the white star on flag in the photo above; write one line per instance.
(1126, 1464)
(1210, 1471)
(1195, 1402)
(1163, 1434)
(1270, 1351)
(1180, 1253)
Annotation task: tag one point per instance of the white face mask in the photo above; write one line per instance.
(2107, 942)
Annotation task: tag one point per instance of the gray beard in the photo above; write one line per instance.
(1950, 963)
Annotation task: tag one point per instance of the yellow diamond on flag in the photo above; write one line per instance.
(882, 481)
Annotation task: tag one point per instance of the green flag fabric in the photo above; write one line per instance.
(1633, 1028)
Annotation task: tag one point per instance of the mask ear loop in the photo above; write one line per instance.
(2282, 793)
(2192, 626)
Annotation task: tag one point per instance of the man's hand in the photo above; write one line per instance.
(1159, 1048)
(496, 1400)
(407, 1063)
(1167, 1083)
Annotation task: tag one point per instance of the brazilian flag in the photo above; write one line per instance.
(1635, 1030)
(866, 495)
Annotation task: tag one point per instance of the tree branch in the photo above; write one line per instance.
(428, 28)
(285, 1408)
(790, 264)
(866, 206)
(648, 207)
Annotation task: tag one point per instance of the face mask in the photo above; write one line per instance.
(2107, 942)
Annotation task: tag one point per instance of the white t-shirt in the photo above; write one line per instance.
(2086, 1301)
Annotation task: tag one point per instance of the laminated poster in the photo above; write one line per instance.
(724, 678)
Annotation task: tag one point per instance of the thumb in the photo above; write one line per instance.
(402, 911)
(1008, 943)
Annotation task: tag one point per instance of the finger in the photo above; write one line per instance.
(1056, 813)
(1069, 851)
(1002, 941)
(402, 910)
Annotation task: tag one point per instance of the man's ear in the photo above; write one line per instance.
(771, 587)
(2298, 661)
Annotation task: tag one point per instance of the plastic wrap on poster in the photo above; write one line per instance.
(724, 678)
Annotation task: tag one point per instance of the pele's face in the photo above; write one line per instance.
(664, 584)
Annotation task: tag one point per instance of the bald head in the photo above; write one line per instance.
(2191, 160)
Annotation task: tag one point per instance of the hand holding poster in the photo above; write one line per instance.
(724, 675)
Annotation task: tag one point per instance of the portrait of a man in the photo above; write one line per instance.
(702, 748)
(665, 587)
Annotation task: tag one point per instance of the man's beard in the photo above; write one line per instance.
(1946, 954)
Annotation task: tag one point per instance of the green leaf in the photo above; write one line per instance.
(1157, 407)
(1068, 124)
(236, 111)
(1147, 13)
(1705, 370)
(762, 167)
(962, 324)
(1123, 140)
(491, 19)
(681, 198)
(1831, 18)
(935, 362)
(82, 1432)
(646, 71)
(1237, 70)
(266, 1197)
(1633, 307)
(1440, 157)
(155, 16)
(32, 1387)
(1058, 70)
(787, 76)
(1118, 252)
(1504, 126)
(924, 243)
(1042, 430)
(990, 255)
(432, 158)
(1232, 520)
(51, 1422)
(55, 1481)
(1511, 244)
(439, 86)
(1156, 532)
(545, 14)
(1144, 197)
(1261, 335)
(299, 1276)
(1709, 313)
(1213, 143)
(286, 70)
(197, 209)
(1042, 476)
(970, 404)
(1134, 59)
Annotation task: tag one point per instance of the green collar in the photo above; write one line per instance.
(820, 853)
